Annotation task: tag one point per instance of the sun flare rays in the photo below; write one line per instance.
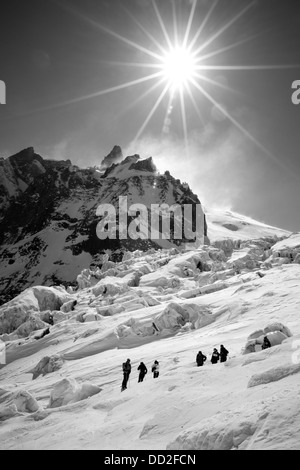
(179, 64)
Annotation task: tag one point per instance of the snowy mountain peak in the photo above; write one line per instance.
(132, 166)
(144, 165)
(48, 223)
(115, 156)
(17, 173)
(131, 159)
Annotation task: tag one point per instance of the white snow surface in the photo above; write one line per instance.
(250, 402)
(292, 242)
(235, 226)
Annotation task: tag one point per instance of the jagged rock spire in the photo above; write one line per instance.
(115, 156)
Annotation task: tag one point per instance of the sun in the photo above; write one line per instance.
(179, 67)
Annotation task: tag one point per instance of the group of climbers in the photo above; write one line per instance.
(142, 372)
(215, 357)
(142, 369)
(222, 355)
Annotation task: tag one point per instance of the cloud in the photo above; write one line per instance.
(59, 151)
(221, 167)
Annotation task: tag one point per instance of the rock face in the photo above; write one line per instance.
(144, 165)
(16, 174)
(115, 156)
(48, 219)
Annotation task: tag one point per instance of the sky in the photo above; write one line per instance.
(71, 69)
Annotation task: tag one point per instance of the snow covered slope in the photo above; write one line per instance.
(228, 224)
(231, 293)
(66, 339)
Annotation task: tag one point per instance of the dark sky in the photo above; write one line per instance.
(53, 52)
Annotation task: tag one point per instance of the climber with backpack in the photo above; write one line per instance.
(143, 371)
(155, 369)
(215, 356)
(223, 353)
(200, 359)
(126, 374)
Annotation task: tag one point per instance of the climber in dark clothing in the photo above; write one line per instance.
(215, 356)
(126, 374)
(223, 353)
(155, 369)
(200, 359)
(266, 344)
(143, 371)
